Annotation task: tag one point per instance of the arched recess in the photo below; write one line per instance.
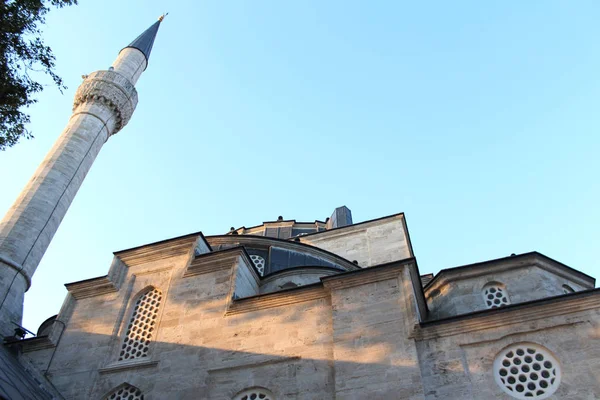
(255, 393)
(141, 327)
(125, 391)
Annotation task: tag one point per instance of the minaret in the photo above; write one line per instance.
(103, 105)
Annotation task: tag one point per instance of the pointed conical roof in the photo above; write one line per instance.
(145, 41)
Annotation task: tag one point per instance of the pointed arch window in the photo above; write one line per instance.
(125, 392)
(142, 326)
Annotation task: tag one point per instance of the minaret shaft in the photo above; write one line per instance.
(103, 104)
(33, 219)
(130, 63)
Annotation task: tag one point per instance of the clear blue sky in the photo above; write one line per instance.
(479, 120)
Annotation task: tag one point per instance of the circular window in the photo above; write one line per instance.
(255, 394)
(527, 371)
(259, 263)
(494, 295)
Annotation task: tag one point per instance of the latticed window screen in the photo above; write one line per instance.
(141, 326)
(126, 392)
(527, 371)
(255, 394)
(259, 262)
(494, 295)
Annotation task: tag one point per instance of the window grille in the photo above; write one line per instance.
(255, 394)
(495, 295)
(126, 392)
(527, 371)
(259, 263)
(141, 326)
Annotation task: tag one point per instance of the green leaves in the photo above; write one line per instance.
(23, 54)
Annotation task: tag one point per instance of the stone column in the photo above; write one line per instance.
(103, 104)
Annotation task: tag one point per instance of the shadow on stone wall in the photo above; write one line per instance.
(177, 371)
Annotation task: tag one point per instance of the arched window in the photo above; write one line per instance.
(495, 295)
(527, 371)
(254, 394)
(141, 326)
(567, 289)
(125, 392)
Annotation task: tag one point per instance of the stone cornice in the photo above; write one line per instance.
(345, 230)
(32, 344)
(522, 313)
(158, 251)
(277, 299)
(365, 275)
(272, 224)
(127, 365)
(216, 261)
(91, 287)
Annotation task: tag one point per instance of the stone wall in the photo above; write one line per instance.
(459, 365)
(373, 317)
(361, 334)
(460, 291)
(208, 345)
(370, 243)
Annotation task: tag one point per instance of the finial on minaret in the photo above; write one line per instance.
(160, 19)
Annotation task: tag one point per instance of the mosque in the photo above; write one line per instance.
(324, 309)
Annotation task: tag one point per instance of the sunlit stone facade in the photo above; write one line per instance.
(284, 310)
(338, 313)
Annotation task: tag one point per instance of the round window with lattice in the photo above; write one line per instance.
(527, 371)
(494, 295)
(259, 263)
(255, 394)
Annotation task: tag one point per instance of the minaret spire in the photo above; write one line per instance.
(104, 103)
(145, 41)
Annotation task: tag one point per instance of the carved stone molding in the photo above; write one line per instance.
(111, 89)
(367, 275)
(91, 287)
(122, 366)
(216, 261)
(158, 251)
(277, 299)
